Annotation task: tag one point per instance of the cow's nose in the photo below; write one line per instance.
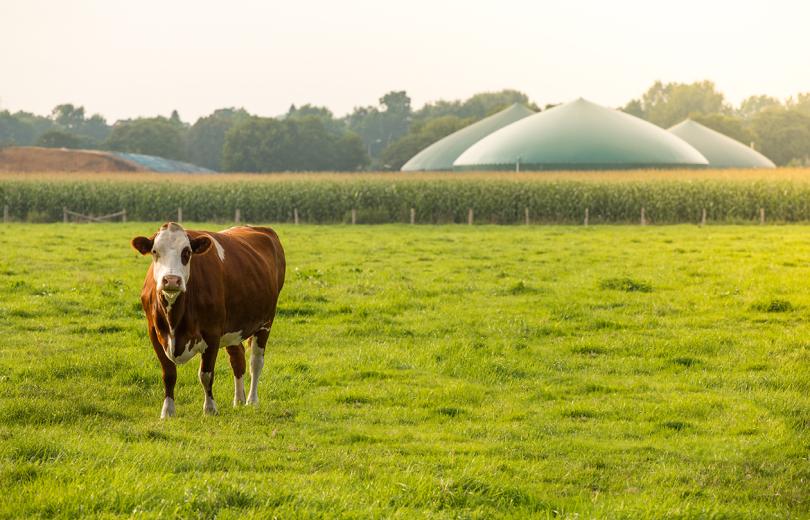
(171, 283)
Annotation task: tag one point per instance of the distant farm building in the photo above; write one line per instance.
(441, 154)
(36, 159)
(580, 135)
(721, 151)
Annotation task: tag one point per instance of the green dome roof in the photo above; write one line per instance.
(720, 150)
(579, 135)
(441, 154)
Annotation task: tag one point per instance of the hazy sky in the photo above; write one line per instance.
(126, 59)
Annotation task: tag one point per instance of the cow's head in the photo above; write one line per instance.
(171, 249)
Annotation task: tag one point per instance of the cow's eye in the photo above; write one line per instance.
(155, 254)
(185, 256)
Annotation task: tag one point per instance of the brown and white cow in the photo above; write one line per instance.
(208, 290)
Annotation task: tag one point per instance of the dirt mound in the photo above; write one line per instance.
(36, 159)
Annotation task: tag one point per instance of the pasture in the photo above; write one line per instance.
(424, 371)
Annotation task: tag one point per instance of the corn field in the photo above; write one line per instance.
(667, 197)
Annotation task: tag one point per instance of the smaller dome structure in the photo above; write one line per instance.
(441, 154)
(720, 150)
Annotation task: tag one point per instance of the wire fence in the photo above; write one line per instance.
(69, 216)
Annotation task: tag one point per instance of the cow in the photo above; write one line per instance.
(204, 291)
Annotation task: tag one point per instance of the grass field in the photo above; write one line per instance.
(424, 371)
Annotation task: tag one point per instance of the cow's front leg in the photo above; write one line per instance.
(169, 376)
(209, 359)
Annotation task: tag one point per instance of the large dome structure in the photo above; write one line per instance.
(580, 135)
(720, 150)
(441, 154)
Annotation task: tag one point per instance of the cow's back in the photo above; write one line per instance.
(251, 268)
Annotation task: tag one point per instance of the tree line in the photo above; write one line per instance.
(384, 136)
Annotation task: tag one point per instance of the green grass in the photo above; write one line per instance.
(440, 371)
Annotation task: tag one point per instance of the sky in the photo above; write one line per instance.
(145, 58)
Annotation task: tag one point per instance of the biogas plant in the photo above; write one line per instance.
(581, 135)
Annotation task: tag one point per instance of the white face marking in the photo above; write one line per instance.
(230, 338)
(167, 257)
(168, 408)
(256, 364)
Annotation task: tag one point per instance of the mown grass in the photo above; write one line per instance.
(442, 372)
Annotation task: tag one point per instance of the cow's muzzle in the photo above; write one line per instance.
(172, 283)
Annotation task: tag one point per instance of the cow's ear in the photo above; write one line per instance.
(142, 245)
(200, 244)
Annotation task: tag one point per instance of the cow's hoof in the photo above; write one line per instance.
(210, 407)
(168, 408)
(253, 401)
(238, 402)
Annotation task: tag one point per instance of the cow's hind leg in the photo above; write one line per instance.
(237, 355)
(209, 359)
(257, 344)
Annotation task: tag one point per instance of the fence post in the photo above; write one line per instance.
(703, 218)
(526, 214)
(5, 214)
(124, 215)
(354, 216)
(295, 216)
(469, 216)
(238, 216)
(761, 215)
(413, 215)
(586, 216)
(179, 215)
(643, 218)
(64, 214)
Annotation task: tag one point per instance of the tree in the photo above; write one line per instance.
(59, 139)
(68, 116)
(293, 144)
(783, 135)
(96, 129)
(752, 105)
(154, 136)
(251, 145)
(379, 128)
(800, 103)
(671, 103)
(368, 124)
(351, 153)
(206, 137)
(15, 131)
(70, 119)
(174, 118)
(634, 108)
(335, 126)
(477, 107)
(396, 117)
